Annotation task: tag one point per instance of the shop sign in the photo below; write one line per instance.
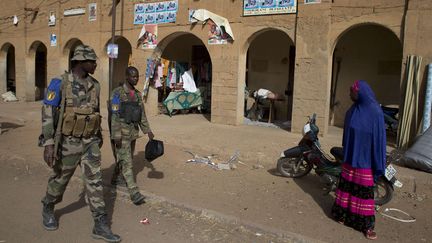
(156, 13)
(74, 11)
(265, 7)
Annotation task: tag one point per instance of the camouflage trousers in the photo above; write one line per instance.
(74, 152)
(124, 165)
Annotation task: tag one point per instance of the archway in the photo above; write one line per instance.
(369, 52)
(270, 66)
(122, 61)
(188, 56)
(37, 71)
(68, 51)
(7, 68)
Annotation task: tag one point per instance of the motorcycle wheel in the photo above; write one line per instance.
(383, 192)
(293, 167)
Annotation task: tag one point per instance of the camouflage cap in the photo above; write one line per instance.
(83, 53)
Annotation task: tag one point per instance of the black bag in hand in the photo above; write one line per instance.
(154, 149)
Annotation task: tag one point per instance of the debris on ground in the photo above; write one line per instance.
(258, 166)
(9, 96)
(402, 217)
(145, 221)
(211, 161)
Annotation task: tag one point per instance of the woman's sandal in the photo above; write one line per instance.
(370, 234)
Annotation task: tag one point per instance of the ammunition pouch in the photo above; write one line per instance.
(130, 111)
(80, 122)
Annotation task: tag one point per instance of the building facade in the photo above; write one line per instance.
(310, 57)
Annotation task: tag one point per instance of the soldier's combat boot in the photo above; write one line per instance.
(101, 230)
(138, 198)
(117, 178)
(48, 220)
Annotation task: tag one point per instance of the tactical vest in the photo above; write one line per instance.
(83, 121)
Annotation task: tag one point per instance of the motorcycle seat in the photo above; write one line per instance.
(337, 152)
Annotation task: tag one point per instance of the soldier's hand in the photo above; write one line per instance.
(150, 135)
(118, 143)
(49, 155)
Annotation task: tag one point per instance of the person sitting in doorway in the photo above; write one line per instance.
(264, 98)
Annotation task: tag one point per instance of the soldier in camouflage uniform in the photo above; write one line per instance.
(71, 120)
(127, 116)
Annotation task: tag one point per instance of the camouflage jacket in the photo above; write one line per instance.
(119, 128)
(81, 93)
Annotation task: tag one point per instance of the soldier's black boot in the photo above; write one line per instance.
(138, 198)
(101, 230)
(48, 220)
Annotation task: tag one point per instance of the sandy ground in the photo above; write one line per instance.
(245, 201)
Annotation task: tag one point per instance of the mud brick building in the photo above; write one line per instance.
(310, 56)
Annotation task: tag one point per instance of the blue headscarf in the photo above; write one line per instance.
(364, 139)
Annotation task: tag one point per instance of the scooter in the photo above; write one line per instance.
(390, 118)
(298, 161)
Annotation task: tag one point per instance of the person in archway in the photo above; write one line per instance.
(71, 136)
(127, 116)
(364, 144)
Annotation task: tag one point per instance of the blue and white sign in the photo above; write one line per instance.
(265, 7)
(156, 13)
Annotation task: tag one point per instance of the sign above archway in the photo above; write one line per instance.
(265, 7)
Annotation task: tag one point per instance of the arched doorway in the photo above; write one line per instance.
(187, 56)
(7, 68)
(270, 66)
(68, 51)
(37, 71)
(122, 61)
(369, 52)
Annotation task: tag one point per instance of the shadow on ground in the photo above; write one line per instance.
(6, 126)
(311, 185)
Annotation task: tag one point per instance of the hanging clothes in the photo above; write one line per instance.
(188, 81)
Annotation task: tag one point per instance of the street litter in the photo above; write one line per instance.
(145, 221)
(211, 161)
(410, 220)
(9, 96)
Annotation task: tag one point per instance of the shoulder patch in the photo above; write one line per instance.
(53, 94)
(115, 102)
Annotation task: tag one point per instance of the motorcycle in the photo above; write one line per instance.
(298, 161)
(390, 118)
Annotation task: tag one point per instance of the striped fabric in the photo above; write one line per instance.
(354, 204)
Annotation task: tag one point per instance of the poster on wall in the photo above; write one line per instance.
(92, 7)
(191, 18)
(112, 50)
(148, 36)
(51, 19)
(156, 13)
(265, 7)
(216, 35)
(312, 1)
(53, 40)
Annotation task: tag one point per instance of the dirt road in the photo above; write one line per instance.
(247, 202)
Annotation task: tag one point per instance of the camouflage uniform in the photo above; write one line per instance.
(126, 132)
(74, 151)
